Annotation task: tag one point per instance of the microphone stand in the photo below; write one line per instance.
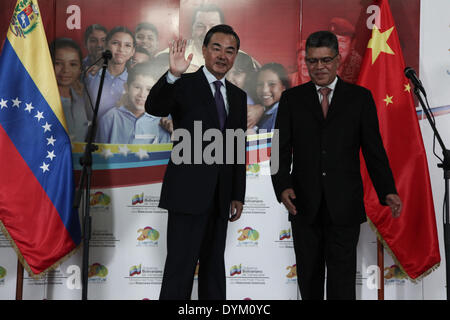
(85, 182)
(445, 165)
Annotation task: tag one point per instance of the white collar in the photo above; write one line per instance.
(331, 85)
(210, 77)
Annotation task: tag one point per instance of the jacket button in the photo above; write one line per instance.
(324, 174)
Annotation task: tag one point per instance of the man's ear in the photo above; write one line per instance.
(204, 50)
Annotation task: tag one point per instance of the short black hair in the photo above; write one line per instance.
(323, 39)
(91, 29)
(60, 43)
(147, 26)
(279, 70)
(120, 29)
(210, 7)
(146, 69)
(244, 63)
(221, 28)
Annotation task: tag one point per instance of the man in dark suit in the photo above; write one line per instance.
(201, 197)
(323, 125)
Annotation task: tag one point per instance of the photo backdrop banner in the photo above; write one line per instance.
(128, 243)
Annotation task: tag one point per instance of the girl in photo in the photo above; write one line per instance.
(67, 61)
(271, 81)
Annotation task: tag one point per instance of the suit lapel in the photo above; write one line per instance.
(313, 102)
(338, 101)
(233, 103)
(207, 98)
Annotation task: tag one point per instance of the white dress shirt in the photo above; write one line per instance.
(330, 95)
(211, 78)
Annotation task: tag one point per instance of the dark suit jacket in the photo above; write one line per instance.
(325, 153)
(189, 188)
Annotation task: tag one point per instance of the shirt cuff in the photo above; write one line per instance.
(171, 78)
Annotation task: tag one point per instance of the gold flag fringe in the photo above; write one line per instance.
(24, 262)
(386, 247)
(67, 256)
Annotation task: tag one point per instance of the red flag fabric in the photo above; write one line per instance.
(36, 189)
(411, 239)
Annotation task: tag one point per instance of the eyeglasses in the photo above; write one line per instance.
(324, 60)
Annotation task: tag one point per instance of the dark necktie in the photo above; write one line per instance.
(220, 104)
(325, 92)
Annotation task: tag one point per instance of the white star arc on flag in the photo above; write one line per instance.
(51, 155)
(3, 104)
(29, 107)
(16, 102)
(51, 141)
(45, 167)
(47, 127)
(39, 115)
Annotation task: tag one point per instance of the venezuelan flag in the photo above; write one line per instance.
(36, 188)
(235, 270)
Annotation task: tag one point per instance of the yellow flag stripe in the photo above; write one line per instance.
(34, 54)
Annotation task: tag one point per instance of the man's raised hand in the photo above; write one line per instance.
(178, 64)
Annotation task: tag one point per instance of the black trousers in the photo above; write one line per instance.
(193, 238)
(321, 244)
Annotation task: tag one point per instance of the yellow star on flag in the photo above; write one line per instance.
(407, 87)
(378, 43)
(388, 99)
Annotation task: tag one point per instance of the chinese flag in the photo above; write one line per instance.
(412, 238)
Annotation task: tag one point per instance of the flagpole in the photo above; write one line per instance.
(380, 259)
(19, 281)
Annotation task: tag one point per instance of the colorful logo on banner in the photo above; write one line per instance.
(285, 234)
(394, 272)
(393, 275)
(97, 273)
(137, 198)
(283, 239)
(235, 270)
(25, 18)
(247, 274)
(99, 199)
(253, 169)
(2, 276)
(248, 234)
(144, 275)
(248, 237)
(148, 236)
(2, 272)
(292, 271)
(291, 276)
(144, 203)
(135, 270)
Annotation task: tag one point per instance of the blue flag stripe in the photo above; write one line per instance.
(38, 136)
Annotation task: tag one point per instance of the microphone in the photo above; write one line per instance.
(107, 55)
(411, 75)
